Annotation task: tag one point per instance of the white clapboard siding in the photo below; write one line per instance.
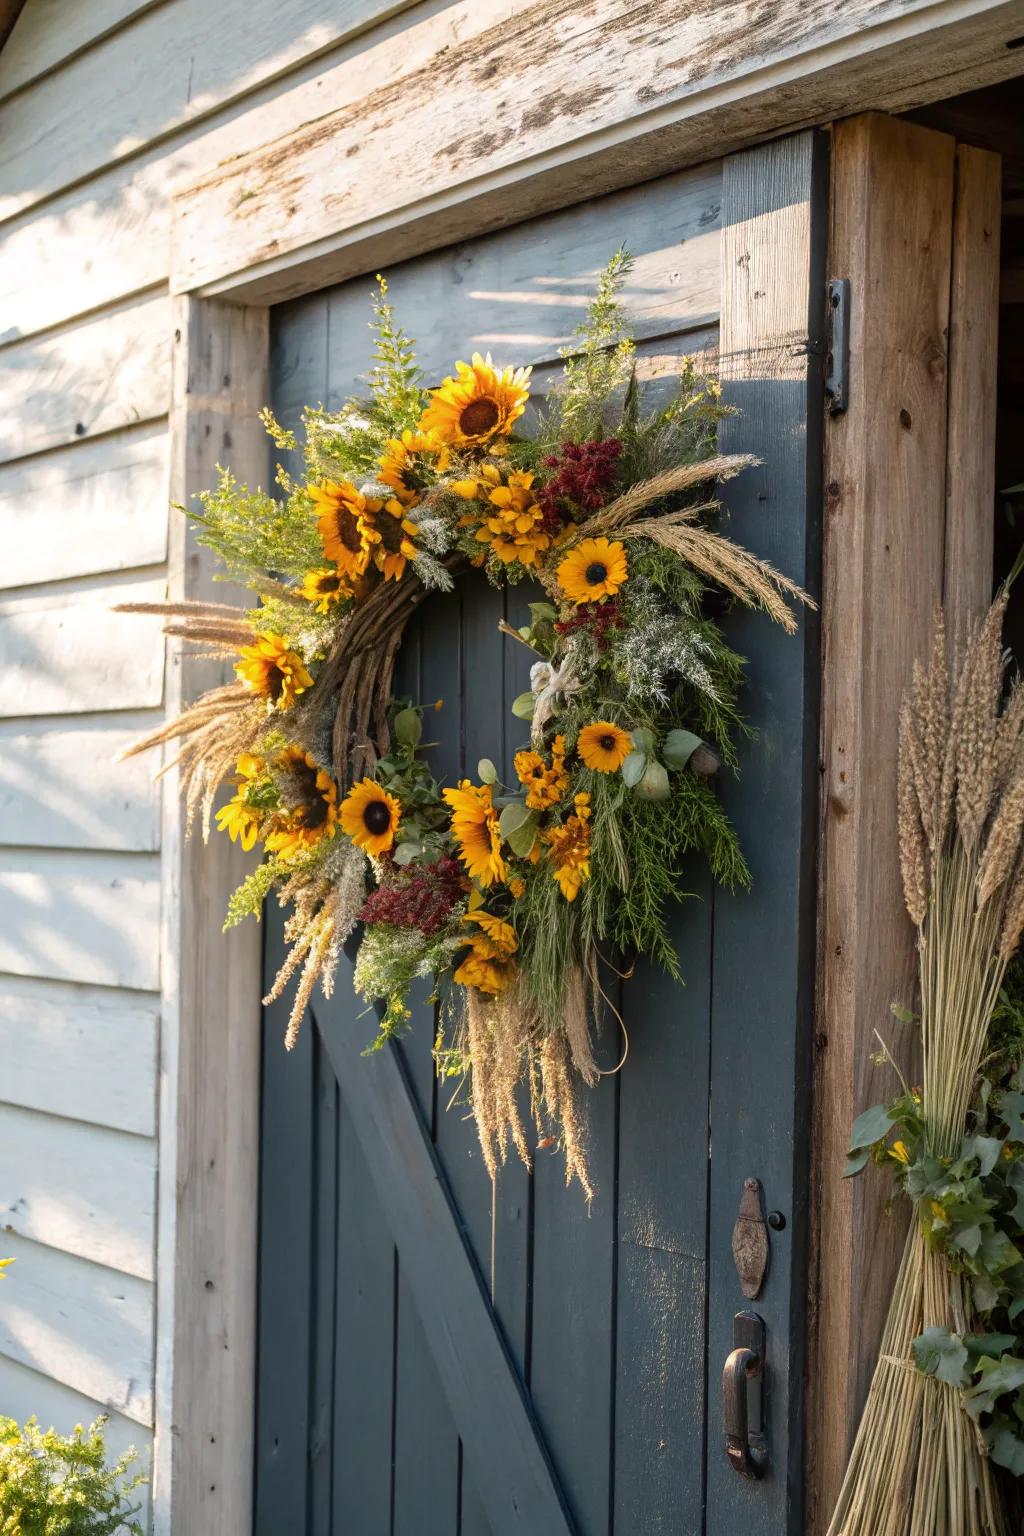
(79, 1188)
(24, 1392)
(81, 917)
(76, 253)
(65, 652)
(99, 506)
(83, 1324)
(109, 371)
(521, 293)
(86, 1053)
(174, 65)
(62, 787)
(49, 32)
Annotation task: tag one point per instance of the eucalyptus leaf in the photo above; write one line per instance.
(408, 727)
(871, 1126)
(542, 612)
(654, 785)
(679, 747)
(522, 706)
(521, 841)
(940, 1353)
(857, 1162)
(406, 853)
(643, 739)
(514, 816)
(486, 771)
(633, 769)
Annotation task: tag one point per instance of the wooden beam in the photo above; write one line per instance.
(502, 1444)
(579, 100)
(973, 348)
(892, 211)
(209, 1065)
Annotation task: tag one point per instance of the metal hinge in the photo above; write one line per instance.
(837, 357)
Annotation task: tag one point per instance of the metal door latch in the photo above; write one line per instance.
(750, 1241)
(837, 360)
(743, 1397)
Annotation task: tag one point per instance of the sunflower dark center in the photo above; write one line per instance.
(596, 573)
(415, 475)
(275, 682)
(376, 817)
(606, 742)
(348, 529)
(478, 417)
(330, 583)
(390, 533)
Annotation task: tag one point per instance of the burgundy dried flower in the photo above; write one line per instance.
(596, 618)
(420, 898)
(584, 472)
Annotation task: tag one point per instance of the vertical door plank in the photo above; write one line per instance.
(773, 245)
(973, 346)
(322, 1301)
(892, 208)
(427, 1459)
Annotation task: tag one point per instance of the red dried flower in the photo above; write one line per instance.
(584, 472)
(597, 618)
(421, 898)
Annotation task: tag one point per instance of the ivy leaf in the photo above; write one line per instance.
(967, 1238)
(1015, 1184)
(991, 1344)
(985, 1293)
(871, 1126)
(940, 1353)
(633, 769)
(996, 1377)
(1011, 1111)
(679, 748)
(1007, 1446)
(405, 853)
(408, 727)
(486, 771)
(522, 706)
(987, 1149)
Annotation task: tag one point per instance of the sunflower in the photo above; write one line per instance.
(479, 403)
(604, 746)
(411, 463)
(569, 849)
(310, 800)
(370, 817)
(272, 671)
(324, 588)
(475, 829)
(339, 511)
(544, 786)
(512, 522)
(389, 535)
(595, 569)
(238, 818)
(488, 965)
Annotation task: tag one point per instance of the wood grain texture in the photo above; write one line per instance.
(71, 124)
(973, 348)
(592, 98)
(66, 653)
(81, 1324)
(49, 33)
(107, 372)
(47, 802)
(51, 1191)
(111, 496)
(210, 988)
(105, 1045)
(892, 210)
(72, 916)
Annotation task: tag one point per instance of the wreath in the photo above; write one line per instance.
(507, 895)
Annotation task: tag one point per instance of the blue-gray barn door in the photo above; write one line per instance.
(408, 1385)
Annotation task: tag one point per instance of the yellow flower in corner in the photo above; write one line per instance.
(370, 817)
(240, 820)
(310, 798)
(411, 463)
(604, 746)
(477, 404)
(339, 509)
(324, 588)
(389, 535)
(569, 849)
(594, 570)
(544, 786)
(475, 830)
(272, 671)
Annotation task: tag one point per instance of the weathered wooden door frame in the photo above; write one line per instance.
(207, 1204)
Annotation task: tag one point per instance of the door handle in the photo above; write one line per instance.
(743, 1397)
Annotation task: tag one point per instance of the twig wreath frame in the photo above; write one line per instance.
(505, 895)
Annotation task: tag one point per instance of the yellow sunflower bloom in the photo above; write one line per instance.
(339, 511)
(411, 463)
(595, 569)
(272, 671)
(240, 820)
(324, 588)
(569, 849)
(604, 746)
(389, 535)
(370, 817)
(488, 965)
(475, 830)
(310, 804)
(510, 520)
(478, 404)
(498, 933)
(544, 786)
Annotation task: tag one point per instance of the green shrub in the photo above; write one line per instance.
(61, 1485)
